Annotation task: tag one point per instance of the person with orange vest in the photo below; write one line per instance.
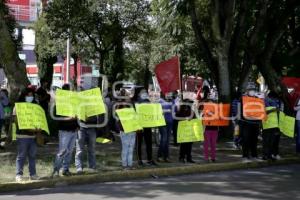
(253, 112)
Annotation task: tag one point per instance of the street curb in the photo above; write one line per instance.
(141, 174)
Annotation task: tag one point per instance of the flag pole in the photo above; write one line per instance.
(180, 79)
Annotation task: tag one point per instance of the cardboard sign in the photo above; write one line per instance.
(272, 120)
(83, 104)
(190, 131)
(66, 103)
(102, 140)
(287, 125)
(92, 102)
(150, 115)
(128, 118)
(31, 116)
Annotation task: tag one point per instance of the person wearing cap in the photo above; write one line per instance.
(250, 130)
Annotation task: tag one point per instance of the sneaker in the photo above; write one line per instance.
(19, 178)
(182, 160)
(79, 171)
(34, 178)
(66, 173)
(158, 160)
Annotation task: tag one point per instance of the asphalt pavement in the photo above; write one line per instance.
(282, 183)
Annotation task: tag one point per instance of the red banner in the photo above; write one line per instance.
(168, 75)
(292, 83)
(21, 9)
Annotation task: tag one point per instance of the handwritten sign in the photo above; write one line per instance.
(92, 102)
(83, 104)
(272, 120)
(31, 116)
(150, 115)
(128, 118)
(66, 103)
(287, 125)
(190, 131)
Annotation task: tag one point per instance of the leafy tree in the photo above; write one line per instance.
(104, 24)
(47, 49)
(235, 35)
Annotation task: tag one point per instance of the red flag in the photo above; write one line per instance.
(168, 75)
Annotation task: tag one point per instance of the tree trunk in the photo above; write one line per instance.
(14, 67)
(224, 76)
(46, 70)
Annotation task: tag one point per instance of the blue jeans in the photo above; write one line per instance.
(165, 133)
(66, 146)
(86, 135)
(298, 137)
(26, 147)
(128, 142)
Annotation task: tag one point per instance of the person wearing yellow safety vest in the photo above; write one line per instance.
(271, 132)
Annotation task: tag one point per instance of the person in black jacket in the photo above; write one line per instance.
(68, 128)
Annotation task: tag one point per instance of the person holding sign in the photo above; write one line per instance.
(185, 113)
(165, 131)
(253, 112)
(127, 127)
(211, 131)
(87, 133)
(271, 132)
(145, 134)
(67, 132)
(26, 140)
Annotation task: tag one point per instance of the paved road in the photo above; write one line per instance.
(276, 183)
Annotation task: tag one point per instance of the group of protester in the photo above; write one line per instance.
(75, 134)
